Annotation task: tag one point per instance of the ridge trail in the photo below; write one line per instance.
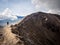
(8, 38)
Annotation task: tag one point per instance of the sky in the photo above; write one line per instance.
(19, 7)
(9, 9)
(52, 6)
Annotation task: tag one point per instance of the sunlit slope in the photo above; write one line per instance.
(8, 38)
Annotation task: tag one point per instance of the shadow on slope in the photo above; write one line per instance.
(39, 29)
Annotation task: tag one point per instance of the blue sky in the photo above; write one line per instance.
(25, 7)
(21, 7)
(9, 9)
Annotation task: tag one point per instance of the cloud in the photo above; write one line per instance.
(51, 5)
(7, 14)
(54, 11)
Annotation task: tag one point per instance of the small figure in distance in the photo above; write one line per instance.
(7, 23)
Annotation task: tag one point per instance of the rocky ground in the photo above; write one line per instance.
(39, 29)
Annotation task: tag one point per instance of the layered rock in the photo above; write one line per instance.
(39, 29)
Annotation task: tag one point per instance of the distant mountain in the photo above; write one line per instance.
(7, 14)
(39, 29)
(20, 16)
(3, 22)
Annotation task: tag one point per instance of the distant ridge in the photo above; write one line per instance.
(3, 22)
(20, 16)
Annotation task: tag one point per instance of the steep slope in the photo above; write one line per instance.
(39, 29)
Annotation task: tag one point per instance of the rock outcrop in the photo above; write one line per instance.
(39, 29)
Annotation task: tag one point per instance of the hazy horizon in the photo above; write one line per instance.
(10, 9)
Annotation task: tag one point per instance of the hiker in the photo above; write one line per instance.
(7, 23)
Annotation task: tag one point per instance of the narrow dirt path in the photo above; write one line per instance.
(8, 37)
